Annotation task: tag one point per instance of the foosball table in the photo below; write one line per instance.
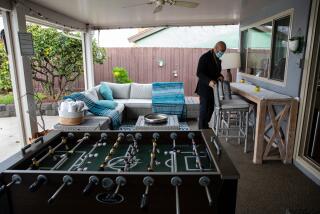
(120, 172)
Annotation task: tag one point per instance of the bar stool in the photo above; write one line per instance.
(231, 114)
(226, 90)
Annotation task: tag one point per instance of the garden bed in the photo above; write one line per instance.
(48, 108)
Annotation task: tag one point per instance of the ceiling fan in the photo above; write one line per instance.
(160, 3)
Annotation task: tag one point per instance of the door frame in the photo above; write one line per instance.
(310, 72)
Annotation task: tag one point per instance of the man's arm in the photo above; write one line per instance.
(201, 72)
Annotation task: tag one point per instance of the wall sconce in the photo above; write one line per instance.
(295, 44)
(161, 62)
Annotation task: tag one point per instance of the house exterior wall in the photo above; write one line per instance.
(192, 37)
(299, 28)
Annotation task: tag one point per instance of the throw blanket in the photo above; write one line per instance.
(97, 109)
(168, 98)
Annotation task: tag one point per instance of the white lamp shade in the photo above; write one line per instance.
(230, 61)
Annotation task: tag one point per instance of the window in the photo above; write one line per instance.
(259, 48)
(264, 49)
(280, 44)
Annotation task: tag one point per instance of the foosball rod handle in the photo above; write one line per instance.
(15, 179)
(41, 179)
(176, 182)
(205, 182)
(147, 181)
(67, 181)
(93, 181)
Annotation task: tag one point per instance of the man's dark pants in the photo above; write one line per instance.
(206, 110)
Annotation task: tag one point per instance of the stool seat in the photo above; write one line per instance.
(234, 104)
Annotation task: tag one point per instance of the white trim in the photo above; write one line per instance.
(87, 59)
(269, 19)
(14, 78)
(309, 168)
(263, 79)
(289, 12)
(22, 75)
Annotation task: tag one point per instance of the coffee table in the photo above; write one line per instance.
(171, 124)
(88, 124)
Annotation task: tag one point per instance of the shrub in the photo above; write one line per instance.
(121, 75)
(5, 81)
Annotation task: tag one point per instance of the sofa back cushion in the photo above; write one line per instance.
(91, 94)
(119, 91)
(141, 91)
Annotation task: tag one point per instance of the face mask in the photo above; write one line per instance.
(219, 54)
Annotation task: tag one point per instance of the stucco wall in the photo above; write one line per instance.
(300, 20)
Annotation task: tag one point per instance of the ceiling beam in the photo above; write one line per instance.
(5, 5)
(42, 15)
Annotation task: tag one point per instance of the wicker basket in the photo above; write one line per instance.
(71, 118)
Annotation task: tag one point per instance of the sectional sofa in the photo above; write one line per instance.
(135, 99)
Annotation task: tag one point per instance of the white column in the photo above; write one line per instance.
(87, 59)
(21, 74)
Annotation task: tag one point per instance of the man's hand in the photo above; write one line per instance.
(221, 78)
(212, 83)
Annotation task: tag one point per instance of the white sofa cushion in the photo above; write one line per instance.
(135, 103)
(141, 91)
(119, 91)
(120, 108)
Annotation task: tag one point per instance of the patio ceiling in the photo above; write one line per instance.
(106, 14)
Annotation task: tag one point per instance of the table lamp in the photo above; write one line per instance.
(230, 61)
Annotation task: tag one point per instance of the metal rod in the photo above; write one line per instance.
(111, 152)
(65, 158)
(195, 150)
(177, 200)
(316, 134)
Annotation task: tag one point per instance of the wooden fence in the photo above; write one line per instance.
(143, 65)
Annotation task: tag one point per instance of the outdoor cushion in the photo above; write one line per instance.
(107, 103)
(120, 108)
(105, 91)
(234, 104)
(119, 91)
(91, 94)
(135, 103)
(141, 91)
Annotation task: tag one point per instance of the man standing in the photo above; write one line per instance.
(208, 73)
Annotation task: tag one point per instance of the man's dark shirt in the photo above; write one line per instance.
(209, 68)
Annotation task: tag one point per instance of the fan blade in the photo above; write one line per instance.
(157, 9)
(186, 4)
(136, 5)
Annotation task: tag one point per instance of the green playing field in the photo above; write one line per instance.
(89, 156)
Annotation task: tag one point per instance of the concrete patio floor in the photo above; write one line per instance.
(9, 143)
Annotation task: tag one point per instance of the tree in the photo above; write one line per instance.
(58, 60)
(5, 81)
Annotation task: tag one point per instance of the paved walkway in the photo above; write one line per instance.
(9, 142)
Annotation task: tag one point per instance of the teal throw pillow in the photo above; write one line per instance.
(105, 92)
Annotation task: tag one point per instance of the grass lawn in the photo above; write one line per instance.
(8, 98)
